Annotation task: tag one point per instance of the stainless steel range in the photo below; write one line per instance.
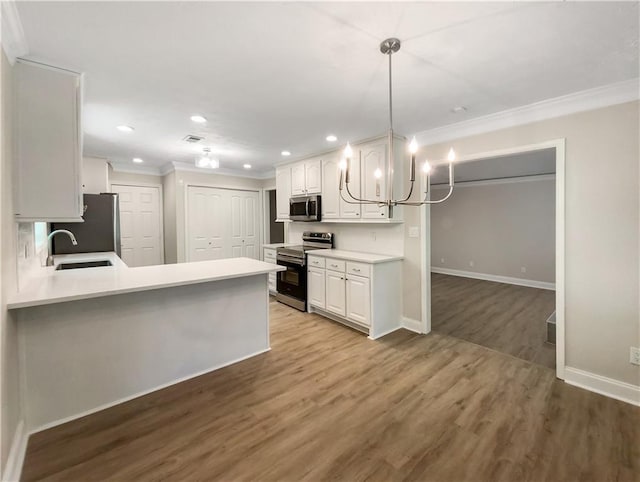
(292, 283)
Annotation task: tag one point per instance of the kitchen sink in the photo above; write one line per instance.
(84, 264)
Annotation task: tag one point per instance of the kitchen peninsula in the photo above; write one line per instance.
(95, 337)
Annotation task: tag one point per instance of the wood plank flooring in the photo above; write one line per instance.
(328, 404)
(507, 318)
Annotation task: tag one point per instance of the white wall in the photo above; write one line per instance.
(169, 212)
(500, 227)
(601, 230)
(95, 175)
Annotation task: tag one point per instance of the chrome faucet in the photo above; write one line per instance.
(51, 235)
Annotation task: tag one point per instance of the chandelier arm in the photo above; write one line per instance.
(357, 200)
(400, 201)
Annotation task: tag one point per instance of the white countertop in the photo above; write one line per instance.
(354, 256)
(50, 286)
(277, 245)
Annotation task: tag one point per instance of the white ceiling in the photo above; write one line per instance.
(532, 163)
(275, 76)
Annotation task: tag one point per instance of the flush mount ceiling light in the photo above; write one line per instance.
(199, 119)
(247, 166)
(285, 153)
(124, 128)
(389, 47)
(137, 160)
(205, 161)
(331, 138)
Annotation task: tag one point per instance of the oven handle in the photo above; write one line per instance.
(284, 260)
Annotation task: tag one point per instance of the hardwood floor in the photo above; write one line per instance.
(328, 404)
(507, 318)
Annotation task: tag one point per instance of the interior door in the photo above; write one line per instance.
(140, 224)
(206, 229)
(222, 223)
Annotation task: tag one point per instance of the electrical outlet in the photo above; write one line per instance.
(442, 260)
(523, 269)
(634, 355)
(471, 263)
(414, 232)
(373, 235)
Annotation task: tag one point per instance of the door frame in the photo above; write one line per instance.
(259, 211)
(160, 201)
(425, 233)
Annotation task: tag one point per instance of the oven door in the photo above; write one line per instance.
(293, 281)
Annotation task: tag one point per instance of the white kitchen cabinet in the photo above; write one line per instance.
(306, 177)
(330, 188)
(362, 290)
(335, 293)
(283, 192)
(269, 256)
(48, 143)
(349, 210)
(358, 301)
(373, 157)
(316, 287)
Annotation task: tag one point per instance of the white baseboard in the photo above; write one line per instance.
(140, 394)
(604, 386)
(498, 279)
(15, 460)
(412, 324)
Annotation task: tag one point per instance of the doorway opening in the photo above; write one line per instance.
(493, 254)
(275, 231)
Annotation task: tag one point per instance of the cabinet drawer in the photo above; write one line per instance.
(316, 262)
(335, 264)
(359, 269)
(270, 255)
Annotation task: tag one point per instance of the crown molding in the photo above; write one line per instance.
(146, 170)
(188, 167)
(14, 42)
(604, 96)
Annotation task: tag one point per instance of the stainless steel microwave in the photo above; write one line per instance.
(304, 208)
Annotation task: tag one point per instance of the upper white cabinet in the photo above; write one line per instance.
(352, 210)
(373, 157)
(330, 191)
(283, 192)
(48, 146)
(306, 177)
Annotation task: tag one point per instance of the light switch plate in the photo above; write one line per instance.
(414, 232)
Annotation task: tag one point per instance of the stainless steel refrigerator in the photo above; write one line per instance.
(100, 230)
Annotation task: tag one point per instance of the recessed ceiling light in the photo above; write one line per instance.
(137, 160)
(125, 128)
(247, 166)
(199, 119)
(285, 153)
(459, 109)
(332, 138)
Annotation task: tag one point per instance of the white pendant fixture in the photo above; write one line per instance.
(389, 47)
(206, 161)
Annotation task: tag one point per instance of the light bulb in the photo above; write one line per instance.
(343, 164)
(413, 146)
(348, 152)
(452, 155)
(426, 167)
(377, 173)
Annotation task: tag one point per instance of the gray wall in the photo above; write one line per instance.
(501, 228)
(601, 231)
(9, 390)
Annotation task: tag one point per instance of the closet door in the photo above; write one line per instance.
(244, 224)
(207, 223)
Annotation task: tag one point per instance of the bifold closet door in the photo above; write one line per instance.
(221, 223)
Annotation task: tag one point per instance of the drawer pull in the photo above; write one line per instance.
(334, 265)
(356, 269)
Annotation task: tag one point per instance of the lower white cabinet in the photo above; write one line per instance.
(366, 295)
(335, 294)
(358, 299)
(269, 256)
(316, 288)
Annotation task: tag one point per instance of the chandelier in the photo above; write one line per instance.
(389, 47)
(206, 161)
